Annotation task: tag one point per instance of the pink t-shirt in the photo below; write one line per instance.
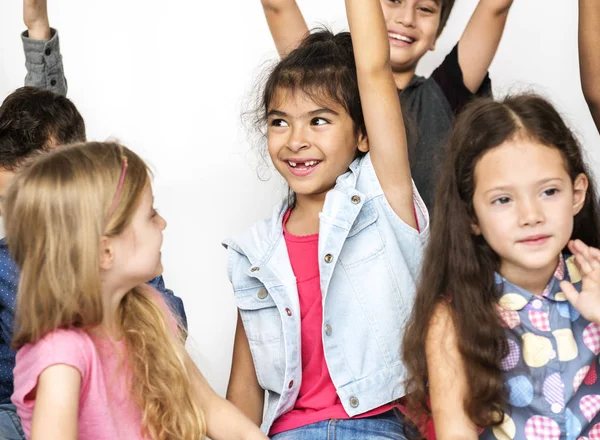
(106, 410)
(317, 398)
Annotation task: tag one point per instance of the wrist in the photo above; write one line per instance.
(39, 31)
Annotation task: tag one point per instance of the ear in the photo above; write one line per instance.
(476, 229)
(107, 253)
(363, 143)
(580, 186)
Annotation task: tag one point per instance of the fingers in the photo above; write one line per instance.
(570, 292)
(587, 258)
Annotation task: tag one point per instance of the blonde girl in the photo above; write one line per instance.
(100, 354)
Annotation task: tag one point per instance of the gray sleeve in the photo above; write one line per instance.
(44, 63)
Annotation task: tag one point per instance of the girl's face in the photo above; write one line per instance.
(524, 202)
(310, 144)
(137, 249)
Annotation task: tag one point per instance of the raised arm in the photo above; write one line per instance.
(589, 55)
(286, 24)
(42, 50)
(447, 379)
(381, 106)
(479, 42)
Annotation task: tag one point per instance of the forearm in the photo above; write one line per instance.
(589, 55)
(286, 24)
(369, 36)
(223, 420)
(226, 422)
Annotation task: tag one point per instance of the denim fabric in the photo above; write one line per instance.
(369, 261)
(382, 427)
(10, 425)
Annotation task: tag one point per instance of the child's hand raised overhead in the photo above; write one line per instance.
(35, 17)
(587, 302)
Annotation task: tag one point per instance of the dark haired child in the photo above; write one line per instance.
(504, 336)
(35, 119)
(321, 286)
(429, 104)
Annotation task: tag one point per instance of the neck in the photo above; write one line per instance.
(304, 219)
(111, 325)
(533, 280)
(403, 78)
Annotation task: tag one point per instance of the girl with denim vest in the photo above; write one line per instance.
(100, 356)
(322, 285)
(504, 338)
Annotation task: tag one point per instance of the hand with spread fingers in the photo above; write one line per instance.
(586, 302)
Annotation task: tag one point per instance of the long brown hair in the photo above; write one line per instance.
(56, 213)
(460, 266)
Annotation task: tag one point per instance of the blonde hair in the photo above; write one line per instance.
(56, 212)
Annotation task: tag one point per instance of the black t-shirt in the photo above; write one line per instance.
(429, 106)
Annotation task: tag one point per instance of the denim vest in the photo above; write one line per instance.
(369, 261)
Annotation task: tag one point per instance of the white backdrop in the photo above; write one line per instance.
(168, 79)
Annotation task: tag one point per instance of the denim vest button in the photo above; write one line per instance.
(355, 200)
(254, 269)
(262, 294)
(288, 311)
(354, 402)
(328, 258)
(291, 384)
(328, 330)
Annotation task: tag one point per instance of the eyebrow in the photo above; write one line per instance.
(539, 183)
(316, 112)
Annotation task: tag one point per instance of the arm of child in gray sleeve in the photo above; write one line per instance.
(174, 302)
(44, 63)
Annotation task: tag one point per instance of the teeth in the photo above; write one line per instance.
(309, 163)
(293, 164)
(401, 38)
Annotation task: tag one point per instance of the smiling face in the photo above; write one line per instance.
(412, 29)
(311, 144)
(138, 256)
(524, 202)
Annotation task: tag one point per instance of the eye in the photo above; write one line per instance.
(550, 192)
(501, 201)
(319, 121)
(154, 213)
(426, 10)
(278, 123)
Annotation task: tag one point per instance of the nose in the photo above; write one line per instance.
(531, 212)
(162, 223)
(405, 14)
(298, 140)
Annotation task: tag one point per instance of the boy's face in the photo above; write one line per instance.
(412, 29)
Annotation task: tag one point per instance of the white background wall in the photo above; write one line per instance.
(168, 79)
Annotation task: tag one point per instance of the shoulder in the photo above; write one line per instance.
(258, 238)
(72, 347)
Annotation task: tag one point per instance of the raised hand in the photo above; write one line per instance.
(35, 17)
(586, 302)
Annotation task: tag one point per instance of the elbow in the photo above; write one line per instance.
(500, 7)
(272, 5)
(592, 98)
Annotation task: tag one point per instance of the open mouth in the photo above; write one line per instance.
(302, 168)
(399, 39)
